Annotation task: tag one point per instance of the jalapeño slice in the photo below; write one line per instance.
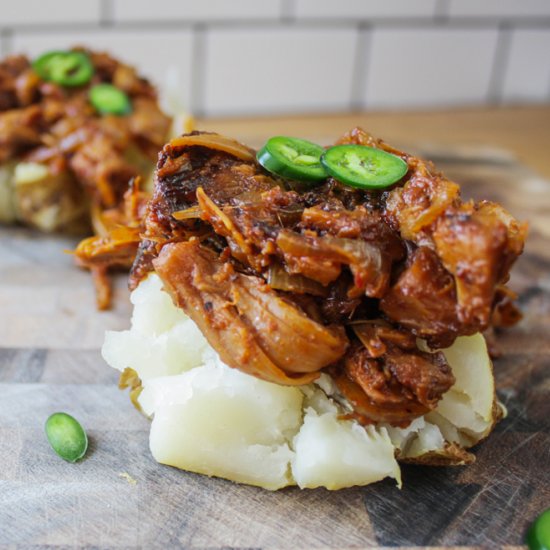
(363, 167)
(538, 536)
(66, 436)
(292, 158)
(64, 68)
(109, 100)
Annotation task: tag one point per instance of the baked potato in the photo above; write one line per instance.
(214, 420)
(312, 316)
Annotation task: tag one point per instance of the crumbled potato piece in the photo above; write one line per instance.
(162, 341)
(218, 421)
(335, 453)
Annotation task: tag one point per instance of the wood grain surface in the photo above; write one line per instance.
(521, 130)
(118, 496)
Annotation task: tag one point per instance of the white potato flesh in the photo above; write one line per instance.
(448, 430)
(162, 341)
(429, 438)
(154, 313)
(218, 421)
(471, 366)
(8, 209)
(213, 420)
(335, 453)
(49, 201)
(27, 173)
(401, 437)
(457, 408)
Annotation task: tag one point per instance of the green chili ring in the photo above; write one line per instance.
(109, 100)
(538, 536)
(363, 167)
(66, 68)
(292, 158)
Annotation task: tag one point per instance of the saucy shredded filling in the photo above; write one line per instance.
(285, 284)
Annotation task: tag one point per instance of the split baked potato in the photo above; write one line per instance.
(214, 420)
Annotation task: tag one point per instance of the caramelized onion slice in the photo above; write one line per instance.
(215, 141)
(321, 259)
(292, 340)
(221, 222)
(279, 279)
(377, 336)
(118, 248)
(250, 327)
(193, 212)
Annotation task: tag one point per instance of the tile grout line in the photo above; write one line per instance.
(329, 107)
(6, 42)
(442, 9)
(287, 11)
(500, 65)
(106, 12)
(360, 67)
(201, 30)
(198, 72)
(383, 23)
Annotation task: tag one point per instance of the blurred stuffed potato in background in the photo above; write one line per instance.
(75, 127)
(79, 131)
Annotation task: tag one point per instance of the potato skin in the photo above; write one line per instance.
(453, 454)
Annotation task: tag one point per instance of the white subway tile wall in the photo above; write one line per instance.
(195, 10)
(529, 49)
(500, 8)
(288, 70)
(368, 9)
(238, 57)
(418, 67)
(43, 12)
(146, 49)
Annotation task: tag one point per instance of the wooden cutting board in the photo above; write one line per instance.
(50, 335)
